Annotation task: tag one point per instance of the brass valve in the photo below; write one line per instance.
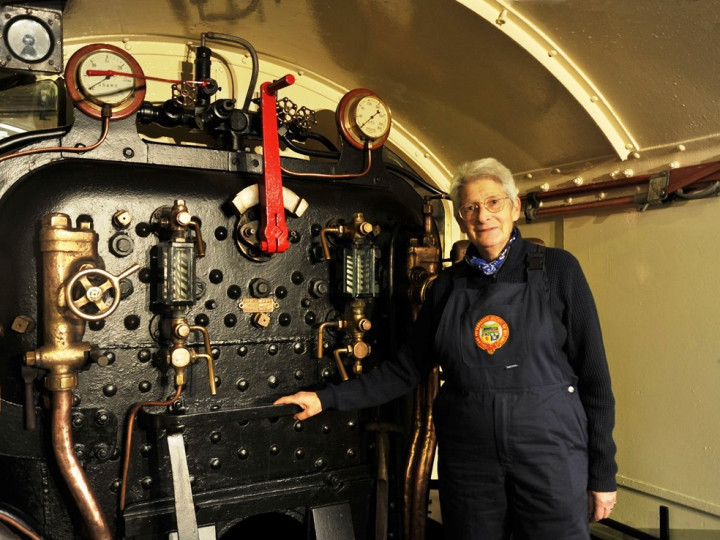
(356, 323)
(359, 228)
(180, 356)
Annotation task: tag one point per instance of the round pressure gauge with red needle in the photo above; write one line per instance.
(102, 74)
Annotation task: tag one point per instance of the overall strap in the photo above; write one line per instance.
(535, 268)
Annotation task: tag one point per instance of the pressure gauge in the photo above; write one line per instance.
(363, 117)
(102, 74)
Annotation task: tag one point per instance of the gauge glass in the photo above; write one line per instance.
(371, 117)
(106, 89)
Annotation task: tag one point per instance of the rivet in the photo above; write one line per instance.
(242, 350)
(326, 428)
(284, 319)
(242, 384)
(144, 355)
(281, 292)
(216, 276)
(351, 424)
(145, 450)
(298, 426)
(145, 386)
(578, 181)
(680, 147)
(215, 463)
(230, 320)
(351, 453)
(297, 278)
(273, 381)
(243, 453)
(299, 347)
(109, 390)
(627, 173)
(528, 176)
(274, 450)
(102, 416)
(234, 292)
(299, 374)
(115, 486)
(273, 349)
(221, 233)
(299, 453)
(319, 463)
(78, 420)
(146, 482)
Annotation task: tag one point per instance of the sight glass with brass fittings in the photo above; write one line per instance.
(175, 292)
(357, 280)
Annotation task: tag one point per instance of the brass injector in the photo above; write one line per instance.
(357, 280)
(74, 290)
(175, 291)
(423, 261)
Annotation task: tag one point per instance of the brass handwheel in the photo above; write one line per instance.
(94, 294)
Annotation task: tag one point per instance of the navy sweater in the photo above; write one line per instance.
(579, 335)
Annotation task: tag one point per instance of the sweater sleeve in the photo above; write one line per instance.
(586, 354)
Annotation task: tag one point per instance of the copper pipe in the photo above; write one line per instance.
(128, 437)
(324, 241)
(73, 149)
(411, 464)
(70, 467)
(19, 526)
(425, 460)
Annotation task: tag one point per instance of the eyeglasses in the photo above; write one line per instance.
(491, 204)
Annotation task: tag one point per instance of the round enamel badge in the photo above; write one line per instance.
(491, 333)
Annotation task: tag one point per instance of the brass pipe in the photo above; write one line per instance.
(340, 324)
(207, 356)
(324, 241)
(339, 362)
(195, 226)
(70, 467)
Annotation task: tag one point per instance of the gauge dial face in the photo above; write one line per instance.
(120, 85)
(372, 117)
(363, 118)
(101, 89)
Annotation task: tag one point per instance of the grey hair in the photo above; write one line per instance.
(482, 168)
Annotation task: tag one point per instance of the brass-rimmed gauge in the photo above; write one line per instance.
(121, 84)
(363, 117)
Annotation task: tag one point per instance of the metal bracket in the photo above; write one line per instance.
(333, 522)
(657, 191)
(184, 505)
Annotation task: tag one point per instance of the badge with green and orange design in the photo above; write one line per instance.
(491, 333)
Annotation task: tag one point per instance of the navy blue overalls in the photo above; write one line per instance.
(512, 432)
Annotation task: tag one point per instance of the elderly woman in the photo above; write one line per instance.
(525, 417)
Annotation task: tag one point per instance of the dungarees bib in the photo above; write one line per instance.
(512, 432)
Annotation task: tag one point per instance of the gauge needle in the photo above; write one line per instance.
(373, 116)
(100, 81)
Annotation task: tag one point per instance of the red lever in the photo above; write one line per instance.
(273, 230)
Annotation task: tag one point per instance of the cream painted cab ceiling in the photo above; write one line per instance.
(539, 84)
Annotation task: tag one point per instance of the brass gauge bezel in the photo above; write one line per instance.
(358, 124)
(89, 94)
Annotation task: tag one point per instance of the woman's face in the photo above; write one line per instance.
(488, 231)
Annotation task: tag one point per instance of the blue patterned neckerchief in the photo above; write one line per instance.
(492, 267)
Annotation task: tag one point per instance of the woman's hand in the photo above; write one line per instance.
(600, 504)
(308, 401)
